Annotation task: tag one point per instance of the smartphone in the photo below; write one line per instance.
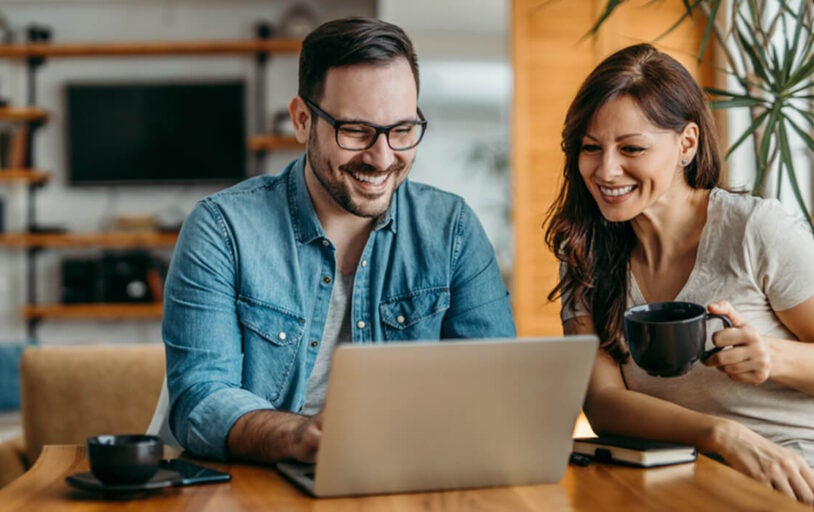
(192, 473)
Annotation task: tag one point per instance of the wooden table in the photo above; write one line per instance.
(704, 485)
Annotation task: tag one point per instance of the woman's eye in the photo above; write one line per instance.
(632, 149)
(590, 148)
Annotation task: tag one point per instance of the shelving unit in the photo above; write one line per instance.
(35, 54)
(109, 311)
(83, 240)
(273, 142)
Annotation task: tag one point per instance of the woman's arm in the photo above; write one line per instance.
(613, 409)
(754, 358)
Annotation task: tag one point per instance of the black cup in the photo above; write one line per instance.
(667, 338)
(124, 459)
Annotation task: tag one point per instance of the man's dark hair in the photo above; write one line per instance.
(349, 41)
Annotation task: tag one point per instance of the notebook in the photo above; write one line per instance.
(422, 416)
(634, 451)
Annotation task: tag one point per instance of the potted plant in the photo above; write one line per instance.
(768, 47)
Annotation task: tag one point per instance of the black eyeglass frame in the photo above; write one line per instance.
(336, 124)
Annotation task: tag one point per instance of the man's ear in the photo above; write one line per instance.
(689, 143)
(301, 118)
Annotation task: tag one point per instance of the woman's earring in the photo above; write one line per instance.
(684, 162)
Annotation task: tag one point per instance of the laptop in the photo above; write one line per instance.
(420, 416)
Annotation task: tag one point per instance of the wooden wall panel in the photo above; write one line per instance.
(550, 62)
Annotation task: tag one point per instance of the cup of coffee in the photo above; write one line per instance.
(124, 459)
(667, 338)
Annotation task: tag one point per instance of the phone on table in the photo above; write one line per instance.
(192, 473)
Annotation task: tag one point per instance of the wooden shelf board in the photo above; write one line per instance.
(24, 175)
(89, 240)
(109, 311)
(101, 49)
(22, 113)
(272, 142)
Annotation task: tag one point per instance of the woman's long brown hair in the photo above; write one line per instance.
(595, 253)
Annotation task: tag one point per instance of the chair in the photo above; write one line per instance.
(68, 393)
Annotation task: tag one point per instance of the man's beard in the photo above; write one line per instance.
(339, 191)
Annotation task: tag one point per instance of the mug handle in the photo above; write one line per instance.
(727, 323)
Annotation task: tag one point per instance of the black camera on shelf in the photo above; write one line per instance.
(113, 277)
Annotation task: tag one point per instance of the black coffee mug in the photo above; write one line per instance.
(667, 338)
(124, 459)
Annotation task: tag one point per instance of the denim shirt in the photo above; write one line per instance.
(247, 294)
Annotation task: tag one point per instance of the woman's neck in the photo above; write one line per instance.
(671, 229)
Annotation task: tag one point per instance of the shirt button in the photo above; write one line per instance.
(314, 343)
(326, 280)
(400, 319)
(360, 324)
(282, 336)
(326, 243)
(364, 263)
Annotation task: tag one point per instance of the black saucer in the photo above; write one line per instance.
(87, 482)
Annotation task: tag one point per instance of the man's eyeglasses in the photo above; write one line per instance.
(360, 135)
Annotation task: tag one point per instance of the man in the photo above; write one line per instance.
(269, 275)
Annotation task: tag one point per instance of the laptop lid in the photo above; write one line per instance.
(457, 414)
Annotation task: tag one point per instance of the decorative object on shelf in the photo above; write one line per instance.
(6, 135)
(121, 277)
(299, 19)
(38, 33)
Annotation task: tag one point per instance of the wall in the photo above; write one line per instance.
(90, 209)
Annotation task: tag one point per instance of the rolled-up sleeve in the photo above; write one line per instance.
(202, 336)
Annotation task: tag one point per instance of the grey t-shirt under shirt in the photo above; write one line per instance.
(753, 254)
(337, 330)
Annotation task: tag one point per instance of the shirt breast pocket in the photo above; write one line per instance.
(271, 341)
(415, 316)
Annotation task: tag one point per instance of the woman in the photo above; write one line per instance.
(639, 219)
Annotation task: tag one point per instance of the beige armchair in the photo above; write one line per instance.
(68, 393)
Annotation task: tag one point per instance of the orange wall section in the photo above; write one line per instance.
(550, 61)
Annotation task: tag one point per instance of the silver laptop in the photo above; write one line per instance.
(457, 414)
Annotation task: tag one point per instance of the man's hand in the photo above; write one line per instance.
(306, 437)
(269, 436)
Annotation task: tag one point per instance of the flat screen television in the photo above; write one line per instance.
(156, 133)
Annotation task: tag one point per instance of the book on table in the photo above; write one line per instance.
(634, 451)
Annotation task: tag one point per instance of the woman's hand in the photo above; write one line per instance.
(765, 461)
(747, 358)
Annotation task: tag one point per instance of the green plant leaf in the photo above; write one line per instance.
(758, 121)
(710, 26)
(787, 165)
(764, 148)
(804, 134)
(754, 50)
(734, 103)
(606, 13)
(688, 11)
